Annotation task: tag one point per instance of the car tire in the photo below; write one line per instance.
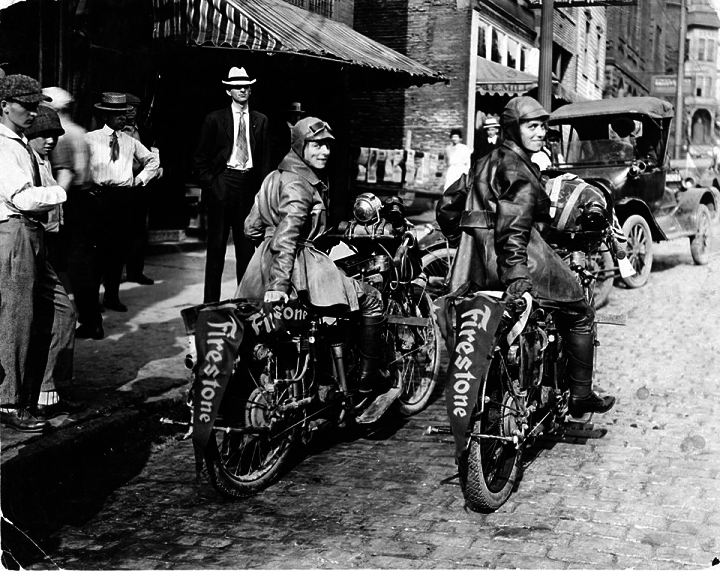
(639, 250)
(701, 242)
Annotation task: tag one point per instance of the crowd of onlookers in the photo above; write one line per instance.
(74, 213)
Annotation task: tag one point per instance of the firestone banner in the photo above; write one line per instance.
(218, 335)
(476, 321)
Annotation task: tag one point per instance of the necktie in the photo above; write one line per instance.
(114, 147)
(241, 155)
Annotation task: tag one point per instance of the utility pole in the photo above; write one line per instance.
(679, 95)
(546, 45)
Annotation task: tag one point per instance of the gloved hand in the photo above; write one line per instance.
(516, 290)
(275, 297)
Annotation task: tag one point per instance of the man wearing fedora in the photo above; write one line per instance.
(489, 138)
(231, 161)
(37, 320)
(112, 153)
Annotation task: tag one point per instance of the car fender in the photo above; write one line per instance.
(628, 206)
(688, 202)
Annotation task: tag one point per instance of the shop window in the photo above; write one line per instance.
(482, 41)
(321, 7)
(495, 54)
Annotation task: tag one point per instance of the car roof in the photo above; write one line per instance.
(644, 105)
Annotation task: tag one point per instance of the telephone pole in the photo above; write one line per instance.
(679, 96)
(546, 45)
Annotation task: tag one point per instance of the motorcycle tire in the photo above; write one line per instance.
(240, 464)
(436, 265)
(418, 371)
(490, 472)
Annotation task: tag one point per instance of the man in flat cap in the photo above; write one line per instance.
(232, 159)
(112, 153)
(37, 320)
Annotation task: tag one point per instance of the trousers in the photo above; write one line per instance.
(229, 201)
(37, 319)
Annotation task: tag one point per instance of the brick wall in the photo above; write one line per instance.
(437, 34)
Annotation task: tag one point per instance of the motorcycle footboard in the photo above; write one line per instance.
(378, 407)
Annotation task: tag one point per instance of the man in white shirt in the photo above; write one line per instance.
(231, 161)
(112, 153)
(37, 319)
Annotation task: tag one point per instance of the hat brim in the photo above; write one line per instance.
(109, 109)
(30, 98)
(238, 83)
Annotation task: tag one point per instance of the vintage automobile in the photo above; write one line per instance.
(620, 145)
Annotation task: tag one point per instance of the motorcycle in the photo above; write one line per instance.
(267, 380)
(498, 403)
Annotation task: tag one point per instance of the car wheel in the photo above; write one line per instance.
(639, 250)
(701, 241)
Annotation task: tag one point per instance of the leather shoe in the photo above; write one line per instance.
(141, 280)
(21, 420)
(114, 305)
(593, 403)
(62, 407)
(85, 331)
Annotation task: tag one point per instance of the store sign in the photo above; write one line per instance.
(667, 86)
(578, 3)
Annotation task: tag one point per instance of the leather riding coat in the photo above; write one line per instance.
(288, 214)
(499, 215)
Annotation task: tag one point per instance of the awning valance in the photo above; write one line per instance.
(275, 26)
(496, 79)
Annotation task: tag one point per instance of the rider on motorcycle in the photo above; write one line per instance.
(290, 211)
(499, 217)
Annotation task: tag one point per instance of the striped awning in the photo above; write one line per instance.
(275, 26)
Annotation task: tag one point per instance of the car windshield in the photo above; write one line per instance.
(618, 142)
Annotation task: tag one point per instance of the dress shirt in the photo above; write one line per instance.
(18, 194)
(119, 173)
(236, 111)
(72, 145)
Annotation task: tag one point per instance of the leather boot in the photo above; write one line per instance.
(370, 376)
(580, 348)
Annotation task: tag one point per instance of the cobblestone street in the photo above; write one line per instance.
(644, 496)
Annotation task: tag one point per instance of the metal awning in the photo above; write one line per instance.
(275, 26)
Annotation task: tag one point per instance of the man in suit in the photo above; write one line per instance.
(231, 160)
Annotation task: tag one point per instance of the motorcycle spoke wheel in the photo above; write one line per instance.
(436, 265)
(491, 469)
(250, 445)
(416, 354)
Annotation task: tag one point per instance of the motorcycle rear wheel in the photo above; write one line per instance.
(241, 463)
(492, 465)
(418, 370)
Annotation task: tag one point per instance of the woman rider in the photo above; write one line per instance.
(500, 226)
(290, 211)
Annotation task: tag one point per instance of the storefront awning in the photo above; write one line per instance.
(275, 26)
(498, 80)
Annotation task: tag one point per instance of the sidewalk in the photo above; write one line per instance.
(137, 369)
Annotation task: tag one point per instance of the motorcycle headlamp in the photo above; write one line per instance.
(594, 217)
(367, 208)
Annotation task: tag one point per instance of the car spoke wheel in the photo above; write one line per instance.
(700, 242)
(639, 250)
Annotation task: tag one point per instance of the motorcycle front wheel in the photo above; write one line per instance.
(493, 460)
(415, 352)
(251, 444)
